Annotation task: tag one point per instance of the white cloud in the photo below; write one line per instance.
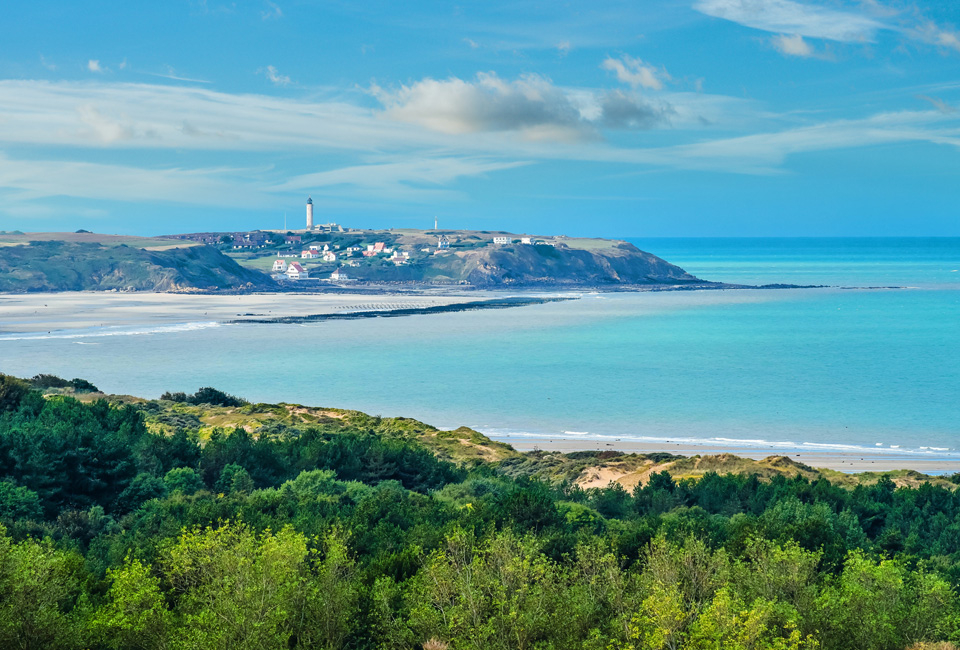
(635, 72)
(429, 135)
(939, 104)
(93, 65)
(792, 45)
(409, 178)
(28, 180)
(931, 33)
(789, 17)
(272, 11)
(564, 48)
(123, 65)
(274, 76)
(472, 43)
(531, 105)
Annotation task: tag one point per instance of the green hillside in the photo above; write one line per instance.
(59, 265)
(203, 522)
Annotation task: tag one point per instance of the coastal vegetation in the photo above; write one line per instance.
(183, 523)
(214, 262)
(65, 265)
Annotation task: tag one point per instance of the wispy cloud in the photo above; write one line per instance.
(49, 65)
(564, 47)
(272, 11)
(409, 178)
(939, 104)
(635, 72)
(93, 65)
(171, 74)
(429, 135)
(789, 17)
(793, 21)
(277, 79)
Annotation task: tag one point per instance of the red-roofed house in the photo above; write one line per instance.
(297, 272)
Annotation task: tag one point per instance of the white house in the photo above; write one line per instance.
(329, 256)
(279, 266)
(443, 242)
(501, 241)
(526, 240)
(297, 272)
(310, 254)
(339, 274)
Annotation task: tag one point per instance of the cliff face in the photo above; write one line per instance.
(524, 264)
(527, 265)
(71, 266)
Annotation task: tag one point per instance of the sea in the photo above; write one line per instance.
(869, 360)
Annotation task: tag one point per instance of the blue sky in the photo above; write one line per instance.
(643, 118)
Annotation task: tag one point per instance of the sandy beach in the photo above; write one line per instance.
(46, 312)
(861, 460)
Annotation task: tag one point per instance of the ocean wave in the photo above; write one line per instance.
(715, 442)
(98, 332)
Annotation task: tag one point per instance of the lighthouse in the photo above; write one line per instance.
(309, 213)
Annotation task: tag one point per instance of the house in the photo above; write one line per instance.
(399, 257)
(297, 272)
(339, 274)
(378, 247)
(526, 240)
(310, 254)
(292, 239)
(315, 247)
(443, 242)
(501, 241)
(279, 266)
(329, 256)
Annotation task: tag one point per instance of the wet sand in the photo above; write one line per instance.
(865, 460)
(45, 312)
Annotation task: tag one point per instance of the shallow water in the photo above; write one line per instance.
(791, 368)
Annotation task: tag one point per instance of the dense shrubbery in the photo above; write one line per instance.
(205, 395)
(114, 537)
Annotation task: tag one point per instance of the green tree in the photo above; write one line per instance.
(39, 591)
(135, 616)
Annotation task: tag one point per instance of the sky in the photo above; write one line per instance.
(649, 118)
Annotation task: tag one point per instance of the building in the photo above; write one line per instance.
(526, 240)
(329, 256)
(442, 242)
(279, 266)
(310, 254)
(297, 272)
(339, 274)
(292, 239)
(501, 241)
(309, 213)
(400, 257)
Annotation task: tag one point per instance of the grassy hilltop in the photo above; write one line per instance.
(87, 261)
(474, 259)
(214, 262)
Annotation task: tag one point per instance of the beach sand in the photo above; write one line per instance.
(865, 460)
(45, 312)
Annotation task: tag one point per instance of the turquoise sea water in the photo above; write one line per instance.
(819, 368)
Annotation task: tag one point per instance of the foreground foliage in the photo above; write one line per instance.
(117, 538)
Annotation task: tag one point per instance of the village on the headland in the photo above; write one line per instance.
(330, 252)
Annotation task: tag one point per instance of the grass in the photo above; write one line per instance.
(590, 244)
(149, 243)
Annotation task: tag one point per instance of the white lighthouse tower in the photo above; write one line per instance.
(309, 213)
